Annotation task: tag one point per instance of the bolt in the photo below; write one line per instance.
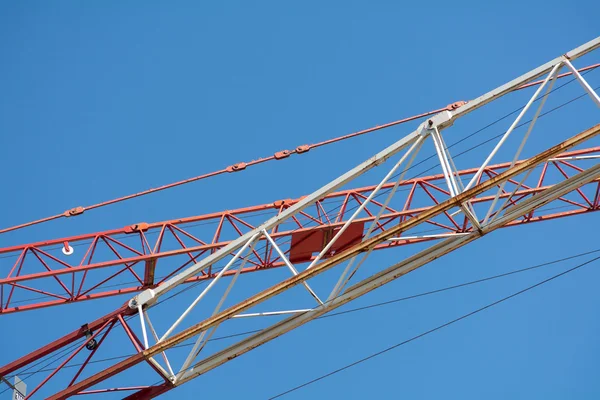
(430, 123)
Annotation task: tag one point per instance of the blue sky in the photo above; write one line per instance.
(99, 101)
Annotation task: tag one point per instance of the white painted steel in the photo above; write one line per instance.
(141, 313)
(438, 122)
(511, 128)
(444, 119)
(291, 266)
(150, 296)
(271, 313)
(584, 83)
(199, 345)
(552, 78)
(525, 78)
(575, 158)
(364, 203)
(207, 289)
(345, 277)
(450, 174)
(164, 353)
(537, 201)
(390, 274)
(439, 236)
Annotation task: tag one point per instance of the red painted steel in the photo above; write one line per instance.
(101, 328)
(62, 342)
(150, 392)
(130, 254)
(69, 358)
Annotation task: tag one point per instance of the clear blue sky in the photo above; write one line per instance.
(99, 100)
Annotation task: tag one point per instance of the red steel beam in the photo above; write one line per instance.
(27, 269)
(64, 341)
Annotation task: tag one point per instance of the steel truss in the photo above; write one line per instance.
(300, 239)
(343, 249)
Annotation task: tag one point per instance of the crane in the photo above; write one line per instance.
(449, 210)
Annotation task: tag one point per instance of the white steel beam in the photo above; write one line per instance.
(526, 78)
(271, 313)
(459, 198)
(370, 243)
(201, 342)
(207, 289)
(442, 120)
(513, 126)
(387, 177)
(449, 171)
(346, 274)
(390, 274)
(290, 266)
(584, 83)
(552, 78)
(149, 296)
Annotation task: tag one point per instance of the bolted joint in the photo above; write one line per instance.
(454, 106)
(236, 167)
(425, 128)
(74, 211)
(280, 203)
(282, 154)
(302, 149)
(139, 227)
(440, 121)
